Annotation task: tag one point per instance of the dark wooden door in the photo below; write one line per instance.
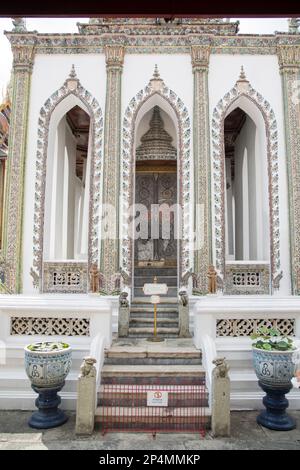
(154, 190)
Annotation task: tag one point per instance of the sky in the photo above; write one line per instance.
(68, 25)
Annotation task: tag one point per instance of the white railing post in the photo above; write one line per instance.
(220, 402)
(88, 385)
(86, 397)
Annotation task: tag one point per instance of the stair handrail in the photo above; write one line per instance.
(97, 352)
(209, 353)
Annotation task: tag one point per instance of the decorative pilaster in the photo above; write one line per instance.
(23, 57)
(109, 265)
(200, 60)
(289, 62)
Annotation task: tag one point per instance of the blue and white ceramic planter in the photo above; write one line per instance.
(48, 369)
(275, 368)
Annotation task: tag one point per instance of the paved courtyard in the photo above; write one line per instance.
(246, 434)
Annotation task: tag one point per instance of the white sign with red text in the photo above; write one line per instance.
(157, 398)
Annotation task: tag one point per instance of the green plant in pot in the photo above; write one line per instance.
(275, 358)
(47, 365)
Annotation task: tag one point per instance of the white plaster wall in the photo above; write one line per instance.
(263, 74)
(49, 74)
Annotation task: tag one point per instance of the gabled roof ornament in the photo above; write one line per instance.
(242, 76)
(156, 72)
(72, 81)
(72, 74)
(242, 82)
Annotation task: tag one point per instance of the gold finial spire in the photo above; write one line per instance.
(242, 76)
(242, 83)
(73, 72)
(156, 73)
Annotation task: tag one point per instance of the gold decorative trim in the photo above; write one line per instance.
(23, 57)
(200, 61)
(109, 265)
(289, 62)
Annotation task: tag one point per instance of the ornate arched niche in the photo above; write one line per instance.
(71, 88)
(244, 90)
(155, 93)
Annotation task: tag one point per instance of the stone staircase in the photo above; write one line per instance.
(134, 366)
(141, 321)
(166, 275)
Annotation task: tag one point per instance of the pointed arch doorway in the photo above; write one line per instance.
(156, 209)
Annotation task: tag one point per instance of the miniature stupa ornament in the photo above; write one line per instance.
(72, 74)
(242, 74)
(72, 80)
(156, 72)
(156, 143)
(242, 83)
(156, 81)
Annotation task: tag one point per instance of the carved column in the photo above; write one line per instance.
(23, 57)
(200, 61)
(109, 265)
(289, 62)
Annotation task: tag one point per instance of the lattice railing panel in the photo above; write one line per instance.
(70, 277)
(248, 326)
(50, 326)
(247, 279)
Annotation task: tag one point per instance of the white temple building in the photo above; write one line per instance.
(187, 114)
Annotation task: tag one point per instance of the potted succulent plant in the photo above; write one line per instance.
(275, 358)
(47, 365)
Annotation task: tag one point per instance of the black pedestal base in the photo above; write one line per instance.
(48, 414)
(275, 416)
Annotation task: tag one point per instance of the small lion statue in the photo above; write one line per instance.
(87, 368)
(221, 369)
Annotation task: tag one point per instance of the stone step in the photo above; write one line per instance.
(169, 280)
(151, 272)
(167, 356)
(140, 389)
(178, 372)
(146, 301)
(150, 309)
(152, 361)
(185, 412)
(142, 322)
(139, 421)
(136, 395)
(154, 380)
(145, 332)
(152, 352)
(142, 314)
(172, 292)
